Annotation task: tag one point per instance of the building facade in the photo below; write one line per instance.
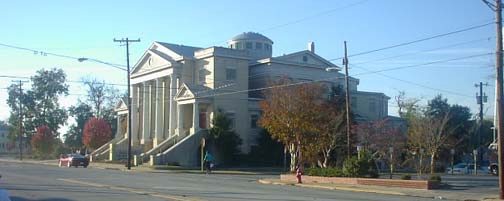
(177, 90)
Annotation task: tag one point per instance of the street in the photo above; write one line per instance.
(33, 182)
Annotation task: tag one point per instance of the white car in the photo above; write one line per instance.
(464, 168)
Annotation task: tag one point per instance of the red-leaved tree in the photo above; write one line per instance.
(43, 141)
(97, 132)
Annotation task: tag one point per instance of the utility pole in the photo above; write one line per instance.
(497, 7)
(481, 99)
(127, 41)
(347, 101)
(20, 135)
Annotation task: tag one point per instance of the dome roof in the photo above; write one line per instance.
(251, 36)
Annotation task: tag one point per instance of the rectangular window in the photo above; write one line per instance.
(258, 46)
(267, 46)
(230, 74)
(253, 120)
(238, 46)
(231, 117)
(372, 106)
(201, 76)
(248, 45)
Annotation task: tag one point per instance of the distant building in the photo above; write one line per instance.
(177, 90)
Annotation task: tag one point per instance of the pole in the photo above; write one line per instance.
(498, 63)
(20, 135)
(347, 102)
(127, 41)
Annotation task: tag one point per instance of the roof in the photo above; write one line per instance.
(251, 36)
(186, 51)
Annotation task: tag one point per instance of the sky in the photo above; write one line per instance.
(87, 29)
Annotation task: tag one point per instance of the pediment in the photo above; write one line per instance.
(306, 57)
(121, 105)
(184, 93)
(152, 60)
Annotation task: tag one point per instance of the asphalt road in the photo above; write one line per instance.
(40, 182)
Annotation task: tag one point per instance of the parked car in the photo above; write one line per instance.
(493, 169)
(465, 168)
(75, 160)
(459, 168)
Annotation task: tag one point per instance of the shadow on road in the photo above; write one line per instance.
(15, 198)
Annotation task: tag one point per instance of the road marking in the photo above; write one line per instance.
(132, 190)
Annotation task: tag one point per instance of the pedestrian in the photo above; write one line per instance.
(208, 162)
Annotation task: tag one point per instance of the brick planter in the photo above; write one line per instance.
(415, 184)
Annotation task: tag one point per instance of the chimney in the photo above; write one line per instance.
(311, 47)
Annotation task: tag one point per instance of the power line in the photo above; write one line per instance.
(428, 50)
(417, 41)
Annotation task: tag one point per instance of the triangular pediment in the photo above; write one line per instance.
(306, 57)
(184, 93)
(152, 59)
(121, 105)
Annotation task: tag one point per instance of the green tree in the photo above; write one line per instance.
(40, 103)
(81, 113)
(267, 151)
(224, 139)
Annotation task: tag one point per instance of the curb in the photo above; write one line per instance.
(263, 181)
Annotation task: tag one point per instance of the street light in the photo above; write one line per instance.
(129, 98)
(391, 151)
(475, 154)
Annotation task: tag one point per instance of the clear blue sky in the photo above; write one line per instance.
(86, 29)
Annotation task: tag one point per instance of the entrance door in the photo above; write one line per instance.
(202, 120)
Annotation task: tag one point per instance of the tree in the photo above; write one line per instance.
(429, 133)
(40, 103)
(43, 142)
(96, 133)
(81, 113)
(288, 115)
(225, 140)
(267, 152)
(406, 106)
(103, 99)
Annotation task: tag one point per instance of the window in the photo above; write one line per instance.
(231, 117)
(238, 46)
(201, 76)
(258, 46)
(248, 45)
(372, 105)
(305, 58)
(253, 120)
(267, 46)
(230, 74)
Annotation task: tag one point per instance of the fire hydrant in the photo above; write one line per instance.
(298, 175)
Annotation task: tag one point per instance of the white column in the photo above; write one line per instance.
(146, 112)
(173, 104)
(119, 127)
(134, 115)
(195, 117)
(158, 135)
(166, 106)
(180, 120)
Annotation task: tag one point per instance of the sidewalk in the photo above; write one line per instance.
(122, 167)
(434, 194)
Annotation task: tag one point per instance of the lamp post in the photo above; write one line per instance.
(391, 151)
(129, 99)
(452, 152)
(475, 154)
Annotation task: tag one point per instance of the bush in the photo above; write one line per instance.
(324, 172)
(435, 178)
(363, 167)
(406, 177)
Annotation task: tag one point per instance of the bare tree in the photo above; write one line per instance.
(100, 95)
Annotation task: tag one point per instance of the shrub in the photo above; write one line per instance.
(324, 172)
(43, 142)
(363, 167)
(435, 178)
(406, 177)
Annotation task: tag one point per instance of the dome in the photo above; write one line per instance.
(251, 36)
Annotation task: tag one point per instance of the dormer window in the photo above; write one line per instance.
(238, 46)
(305, 58)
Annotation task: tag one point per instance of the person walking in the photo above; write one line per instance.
(208, 160)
